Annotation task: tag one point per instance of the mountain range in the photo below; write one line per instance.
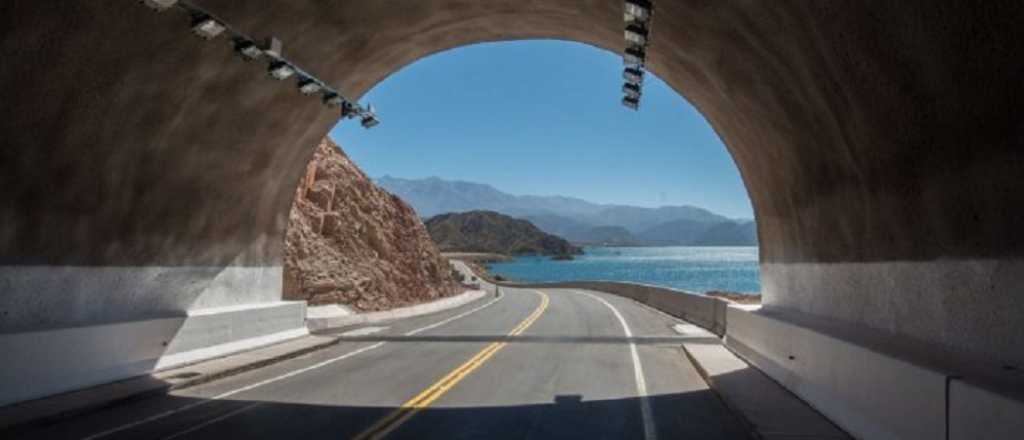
(578, 220)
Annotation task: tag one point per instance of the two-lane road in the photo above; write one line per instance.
(527, 364)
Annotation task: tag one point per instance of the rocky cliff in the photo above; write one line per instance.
(350, 242)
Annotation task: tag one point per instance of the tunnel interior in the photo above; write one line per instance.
(148, 172)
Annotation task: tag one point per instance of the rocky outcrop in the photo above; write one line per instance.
(488, 231)
(350, 242)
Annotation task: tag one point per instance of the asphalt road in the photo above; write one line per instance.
(529, 364)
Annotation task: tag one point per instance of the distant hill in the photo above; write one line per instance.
(488, 231)
(576, 220)
(433, 196)
(607, 236)
(583, 233)
(692, 233)
(638, 220)
(676, 232)
(729, 234)
(571, 229)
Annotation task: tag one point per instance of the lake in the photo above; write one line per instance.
(680, 267)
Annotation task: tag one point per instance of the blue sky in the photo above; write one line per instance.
(543, 117)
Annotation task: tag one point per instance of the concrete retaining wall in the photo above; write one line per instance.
(216, 332)
(877, 385)
(47, 362)
(869, 394)
(70, 327)
(39, 298)
(973, 306)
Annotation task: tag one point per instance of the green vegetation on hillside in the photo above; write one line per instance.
(487, 231)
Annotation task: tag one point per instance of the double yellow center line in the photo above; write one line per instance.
(396, 418)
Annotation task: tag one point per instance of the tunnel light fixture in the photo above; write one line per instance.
(369, 121)
(637, 15)
(280, 70)
(636, 34)
(308, 86)
(207, 28)
(631, 90)
(159, 5)
(332, 99)
(369, 118)
(637, 11)
(247, 50)
(348, 110)
(631, 103)
(633, 75)
(634, 56)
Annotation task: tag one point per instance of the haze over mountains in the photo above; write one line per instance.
(577, 220)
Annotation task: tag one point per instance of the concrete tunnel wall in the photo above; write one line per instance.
(146, 172)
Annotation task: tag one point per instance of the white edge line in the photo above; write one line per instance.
(279, 378)
(650, 432)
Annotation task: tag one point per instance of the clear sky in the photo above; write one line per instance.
(543, 117)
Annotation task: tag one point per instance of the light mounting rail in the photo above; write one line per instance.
(637, 16)
(207, 26)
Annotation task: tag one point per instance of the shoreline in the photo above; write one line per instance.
(477, 257)
(753, 298)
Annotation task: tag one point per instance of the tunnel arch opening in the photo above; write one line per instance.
(850, 156)
(879, 142)
(541, 117)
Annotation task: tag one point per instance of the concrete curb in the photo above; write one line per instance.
(343, 320)
(257, 363)
(703, 372)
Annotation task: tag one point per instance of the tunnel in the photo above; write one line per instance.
(147, 173)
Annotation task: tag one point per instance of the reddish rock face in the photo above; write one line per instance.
(350, 242)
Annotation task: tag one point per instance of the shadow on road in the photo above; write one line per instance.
(697, 414)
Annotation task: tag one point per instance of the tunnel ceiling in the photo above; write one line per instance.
(864, 131)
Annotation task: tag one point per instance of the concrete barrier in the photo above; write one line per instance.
(48, 362)
(878, 385)
(704, 311)
(870, 394)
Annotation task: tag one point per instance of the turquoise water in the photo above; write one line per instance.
(681, 267)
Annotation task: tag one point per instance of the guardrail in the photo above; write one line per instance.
(710, 313)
